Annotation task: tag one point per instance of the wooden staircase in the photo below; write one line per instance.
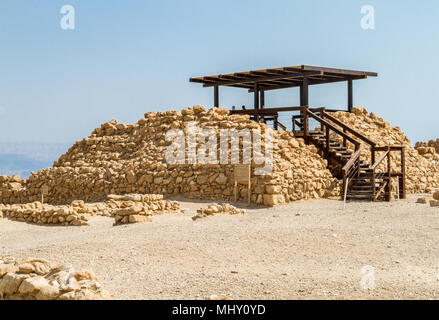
(362, 180)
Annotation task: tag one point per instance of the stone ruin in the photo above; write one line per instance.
(120, 159)
(130, 208)
(130, 158)
(429, 150)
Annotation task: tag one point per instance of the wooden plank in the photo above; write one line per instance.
(339, 71)
(216, 96)
(350, 96)
(250, 79)
(267, 111)
(402, 187)
(380, 159)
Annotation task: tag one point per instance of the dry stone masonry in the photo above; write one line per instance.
(125, 209)
(130, 158)
(135, 208)
(39, 279)
(120, 159)
(39, 213)
(429, 150)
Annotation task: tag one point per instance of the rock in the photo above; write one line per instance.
(221, 179)
(273, 189)
(48, 293)
(423, 200)
(135, 218)
(434, 203)
(70, 285)
(26, 268)
(10, 283)
(32, 285)
(41, 268)
(7, 268)
(128, 211)
(436, 195)
(85, 274)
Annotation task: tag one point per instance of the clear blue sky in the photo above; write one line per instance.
(128, 57)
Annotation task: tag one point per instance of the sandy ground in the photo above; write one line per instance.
(306, 250)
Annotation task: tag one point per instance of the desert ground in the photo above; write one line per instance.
(305, 250)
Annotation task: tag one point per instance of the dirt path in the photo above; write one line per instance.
(305, 250)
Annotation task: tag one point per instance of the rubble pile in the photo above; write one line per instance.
(39, 279)
(215, 209)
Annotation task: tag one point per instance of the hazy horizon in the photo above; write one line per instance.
(124, 59)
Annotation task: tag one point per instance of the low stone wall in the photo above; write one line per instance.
(139, 208)
(78, 212)
(39, 213)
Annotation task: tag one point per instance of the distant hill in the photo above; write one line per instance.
(23, 157)
(46, 151)
(12, 164)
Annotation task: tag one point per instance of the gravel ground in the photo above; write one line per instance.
(305, 250)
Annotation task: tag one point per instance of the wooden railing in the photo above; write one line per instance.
(346, 129)
(352, 168)
(401, 176)
(328, 128)
(329, 124)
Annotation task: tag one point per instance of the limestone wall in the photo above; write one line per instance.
(130, 158)
(429, 150)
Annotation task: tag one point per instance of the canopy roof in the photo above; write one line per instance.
(279, 78)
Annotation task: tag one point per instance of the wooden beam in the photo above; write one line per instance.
(256, 98)
(340, 71)
(311, 83)
(350, 96)
(268, 111)
(402, 186)
(216, 96)
(304, 97)
(262, 101)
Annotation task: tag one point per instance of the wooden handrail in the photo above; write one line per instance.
(392, 148)
(282, 126)
(351, 161)
(345, 127)
(336, 130)
(380, 159)
(264, 111)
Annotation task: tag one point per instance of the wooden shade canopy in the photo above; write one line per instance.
(280, 78)
(259, 81)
